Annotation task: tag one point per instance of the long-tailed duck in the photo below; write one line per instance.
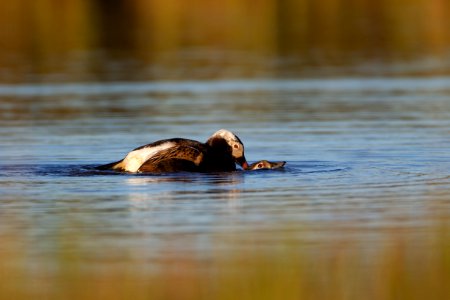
(221, 152)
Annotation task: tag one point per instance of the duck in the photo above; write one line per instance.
(220, 153)
(266, 165)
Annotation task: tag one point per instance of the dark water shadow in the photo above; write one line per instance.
(91, 169)
(291, 169)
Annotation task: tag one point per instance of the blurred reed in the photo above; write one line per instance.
(80, 37)
(402, 266)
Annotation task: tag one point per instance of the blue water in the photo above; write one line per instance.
(364, 156)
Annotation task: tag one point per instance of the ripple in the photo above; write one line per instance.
(411, 84)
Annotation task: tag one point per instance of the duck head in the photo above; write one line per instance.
(230, 143)
(264, 164)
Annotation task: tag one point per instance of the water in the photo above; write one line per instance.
(365, 156)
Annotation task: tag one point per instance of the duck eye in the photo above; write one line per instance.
(260, 166)
(236, 146)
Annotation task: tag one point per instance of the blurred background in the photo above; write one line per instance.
(103, 40)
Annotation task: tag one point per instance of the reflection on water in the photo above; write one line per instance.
(214, 186)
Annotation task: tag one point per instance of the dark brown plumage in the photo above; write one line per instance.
(221, 152)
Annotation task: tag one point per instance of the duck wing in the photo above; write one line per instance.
(136, 158)
(181, 157)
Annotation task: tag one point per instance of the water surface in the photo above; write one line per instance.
(365, 156)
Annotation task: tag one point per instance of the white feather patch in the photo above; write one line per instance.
(134, 160)
(227, 135)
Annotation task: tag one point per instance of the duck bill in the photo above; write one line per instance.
(277, 164)
(242, 162)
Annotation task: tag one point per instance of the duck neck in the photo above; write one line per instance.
(219, 156)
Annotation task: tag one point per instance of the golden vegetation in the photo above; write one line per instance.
(401, 265)
(48, 36)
